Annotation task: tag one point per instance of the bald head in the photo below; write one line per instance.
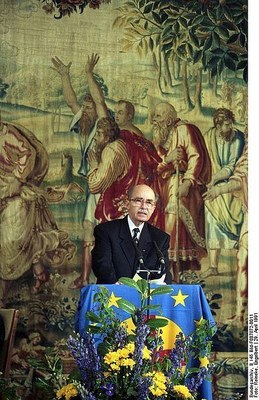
(165, 112)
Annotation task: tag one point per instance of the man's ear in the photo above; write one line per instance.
(130, 117)
(169, 121)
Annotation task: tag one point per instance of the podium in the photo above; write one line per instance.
(183, 308)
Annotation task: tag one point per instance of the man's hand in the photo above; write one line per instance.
(183, 189)
(92, 159)
(175, 156)
(212, 193)
(60, 67)
(91, 63)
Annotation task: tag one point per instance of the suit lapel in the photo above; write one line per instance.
(145, 241)
(126, 242)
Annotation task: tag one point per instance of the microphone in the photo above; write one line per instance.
(160, 257)
(139, 254)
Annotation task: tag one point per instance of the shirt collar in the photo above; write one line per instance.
(132, 226)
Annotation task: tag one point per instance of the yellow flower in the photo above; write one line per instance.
(127, 362)
(130, 347)
(204, 362)
(158, 388)
(68, 392)
(123, 352)
(111, 357)
(183, 391)
(146, 353)
(114, 367)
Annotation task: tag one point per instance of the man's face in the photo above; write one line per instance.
(100, 137)
(89, 109)
(142, 204)
(122, 117)
(226, 128)
(160, 126)
(88, 117)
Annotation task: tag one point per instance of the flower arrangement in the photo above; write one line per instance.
(116, 363)
(66, 7)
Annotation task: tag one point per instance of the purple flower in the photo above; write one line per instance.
(196, 380)
(85, 353)
(108, 389)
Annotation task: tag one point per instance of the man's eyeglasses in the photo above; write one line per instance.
(138, 201)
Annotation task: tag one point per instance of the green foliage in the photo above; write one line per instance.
(213, 32)
(8, 389)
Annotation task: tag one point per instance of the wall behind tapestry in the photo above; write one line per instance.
(191, 54)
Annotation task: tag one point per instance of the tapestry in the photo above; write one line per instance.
(95, 97)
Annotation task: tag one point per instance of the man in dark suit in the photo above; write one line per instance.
(115, 254)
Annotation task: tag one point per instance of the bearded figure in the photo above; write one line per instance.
(184, 173)
(224, 216)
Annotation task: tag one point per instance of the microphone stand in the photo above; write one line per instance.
(148, 272)
(143, 269)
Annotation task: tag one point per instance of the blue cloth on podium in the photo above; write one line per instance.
(183, 308)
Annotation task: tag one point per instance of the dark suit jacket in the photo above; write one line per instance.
(114, 254)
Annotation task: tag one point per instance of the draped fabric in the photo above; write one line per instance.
(27, 228)
(183, 309)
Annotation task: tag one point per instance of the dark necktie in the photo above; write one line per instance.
(135, 234)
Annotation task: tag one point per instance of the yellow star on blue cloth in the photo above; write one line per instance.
(113, 300)
(179, 298)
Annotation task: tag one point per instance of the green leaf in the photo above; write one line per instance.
(197, 56)
(194, 38)
(167, 40)
(177, 3)
(129, 282)
(229, 25)
(223, 32)
(218, 52)
(93, 317)
(233, 38)
(167, 31)
(152, 307)
(208, 24)
(157, 323)
(167, 47)
(156, 17)
(176, 27)
(148, 8)
(214, 306)
(241, 65)
(232, 55)
(228, 14)
(126, 306)
(208, 43)
(189, 49)
(142, 285)
(212, 16)
(215, 39)
(94, 328)
(229, 63)
(213, 61)
(242, 39)
(197, 20)
(103, 348)
(183, 22)
(161, 290)
(181, 52)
